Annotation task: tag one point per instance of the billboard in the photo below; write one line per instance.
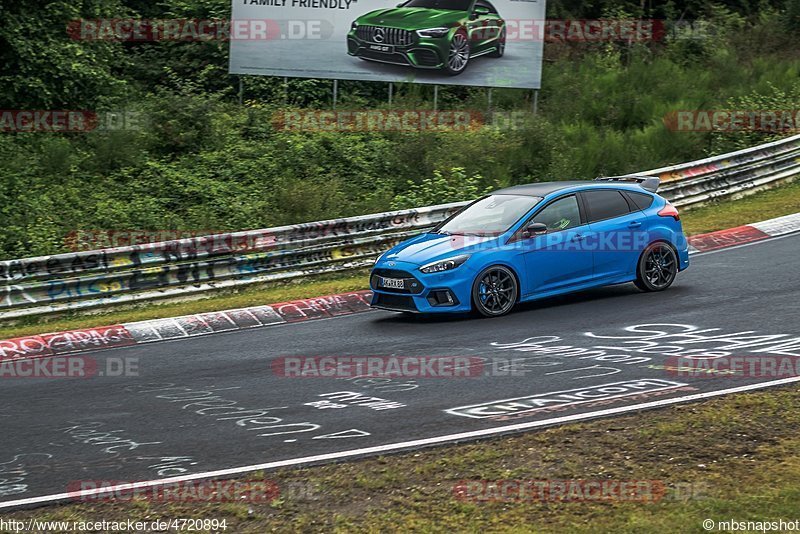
(488, 43)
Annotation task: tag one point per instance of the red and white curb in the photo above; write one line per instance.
(744, 234)
(121, 335)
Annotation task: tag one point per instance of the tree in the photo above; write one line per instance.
(43, 67)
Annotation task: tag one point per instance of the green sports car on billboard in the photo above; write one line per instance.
(429, 34)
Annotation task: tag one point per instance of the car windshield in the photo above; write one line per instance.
(455, 5)
(489, 216)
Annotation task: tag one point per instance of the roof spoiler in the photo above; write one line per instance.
(648, 183)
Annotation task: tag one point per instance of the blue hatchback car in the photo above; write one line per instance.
(534, 241)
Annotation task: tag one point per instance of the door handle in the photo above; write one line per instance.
(578, 237)
(634, 224)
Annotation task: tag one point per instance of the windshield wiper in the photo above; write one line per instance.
(473, 234)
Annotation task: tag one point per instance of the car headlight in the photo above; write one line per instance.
(444, 265)
(433, 32)
(354, 25)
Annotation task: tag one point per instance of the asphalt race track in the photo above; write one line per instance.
(212, 403)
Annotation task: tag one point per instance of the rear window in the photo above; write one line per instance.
(642, 200)
(605, 204)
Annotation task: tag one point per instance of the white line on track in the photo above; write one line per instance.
(391, 447)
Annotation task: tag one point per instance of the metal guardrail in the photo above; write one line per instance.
(181, 268)
(732, 174)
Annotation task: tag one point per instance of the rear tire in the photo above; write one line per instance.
(495, 291)
(657, 267)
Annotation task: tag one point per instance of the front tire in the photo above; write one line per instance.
(457, 54)
(495, 291)
(657, 268)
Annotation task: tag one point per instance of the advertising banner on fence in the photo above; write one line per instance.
(488, 43)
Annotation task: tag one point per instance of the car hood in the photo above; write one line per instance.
(412, 18)
(427, 248)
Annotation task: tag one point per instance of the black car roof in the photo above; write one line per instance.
(542, 189)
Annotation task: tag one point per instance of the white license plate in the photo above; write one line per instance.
(393, 283)
(386, 49)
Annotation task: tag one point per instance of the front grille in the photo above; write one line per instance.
(395, 302)
(392, 273)
(411, 286)
(390, 36)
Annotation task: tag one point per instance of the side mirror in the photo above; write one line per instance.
(534, 229)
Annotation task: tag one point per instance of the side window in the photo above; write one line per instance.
(560, 215)
(605, 204)
(642, 200)
(487, 5)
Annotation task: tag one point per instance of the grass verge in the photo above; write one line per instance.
(780, 201)
(741, 455)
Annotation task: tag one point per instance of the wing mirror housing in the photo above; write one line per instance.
(534, 229)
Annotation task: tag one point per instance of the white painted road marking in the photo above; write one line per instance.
(391, 447)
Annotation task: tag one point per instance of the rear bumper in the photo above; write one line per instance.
(682, 246)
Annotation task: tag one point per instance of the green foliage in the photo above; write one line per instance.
(792, 18)
(200, 160)
(771, 100)
(443, 187)
(42, 67)
(180, 123)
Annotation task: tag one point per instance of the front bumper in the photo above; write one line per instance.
(447, 292)
(421, 53)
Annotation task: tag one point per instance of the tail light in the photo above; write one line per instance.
(669, 211)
